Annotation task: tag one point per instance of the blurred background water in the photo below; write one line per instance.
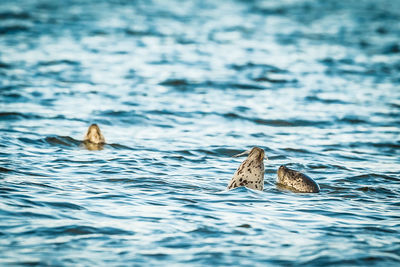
(178, 87)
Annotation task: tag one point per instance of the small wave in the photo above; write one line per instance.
(395, 105)
(197, 207)
(278, 122)
(324, 260)
(7, 190)
(353, 120)
(141, 33)
(118, 146)
(162, 112)
(292, 123)
(395, 145)
(41, 185)
(332, 61)
(121, 116)
(5, 170)
(63, 205)
(184, 84)
(27, 214)
(393, 48)
(118, 113)
(274, 80)
(272, 11)
(147, 182)
(71, 160)
(325, 100)
(18, 116)
(15, 97)
(264, 67)
(5, 65)
(373, 178)
(246, 86)
(115, 180)
(297, 150)
(231, 115)
(220, 151)
(29, 141)
(14, 15)
(29, 173)
(62, 140)
(175, 82)
(317, 166)
(377, 189)
(59, 62)
(98, 32)
(76, 230)
(264, 74)
(12, 29)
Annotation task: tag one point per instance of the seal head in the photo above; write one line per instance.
(94, 139)
(296, 181)
(251, 172)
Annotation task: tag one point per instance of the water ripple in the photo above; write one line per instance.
(178, 88)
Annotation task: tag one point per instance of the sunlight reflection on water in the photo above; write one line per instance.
(177, 89)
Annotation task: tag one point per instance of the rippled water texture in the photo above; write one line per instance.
(178, 87)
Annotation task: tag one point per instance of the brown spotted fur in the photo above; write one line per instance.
(251, 172)
(296, 181)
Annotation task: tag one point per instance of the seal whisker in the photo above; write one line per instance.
(247, 152)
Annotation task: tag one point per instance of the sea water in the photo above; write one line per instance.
(177, 88)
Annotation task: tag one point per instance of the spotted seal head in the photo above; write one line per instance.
(251, 172)
(94, 139)
(296, 181)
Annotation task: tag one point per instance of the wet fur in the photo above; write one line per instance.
(251, 172)
(94, 139)
(296, 181)
(94, 135)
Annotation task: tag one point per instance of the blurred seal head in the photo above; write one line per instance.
(94, 139)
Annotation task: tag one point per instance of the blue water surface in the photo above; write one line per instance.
(178, 87)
